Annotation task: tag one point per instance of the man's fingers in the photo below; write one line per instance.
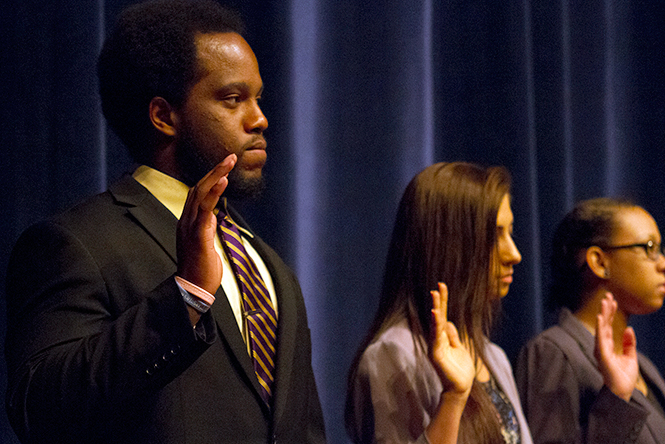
(208, 201)
(211, 187)
(206, 193)
(221, 169)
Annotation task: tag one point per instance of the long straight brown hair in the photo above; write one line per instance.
(445, 231)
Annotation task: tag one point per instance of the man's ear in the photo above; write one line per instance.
(598, 262)
(163, 116)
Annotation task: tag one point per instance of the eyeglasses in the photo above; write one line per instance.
(652, 249)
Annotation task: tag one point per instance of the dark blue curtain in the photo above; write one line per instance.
(360, 96)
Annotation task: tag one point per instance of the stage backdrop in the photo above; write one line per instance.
(360, 96)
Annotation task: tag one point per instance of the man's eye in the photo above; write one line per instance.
(234, 99)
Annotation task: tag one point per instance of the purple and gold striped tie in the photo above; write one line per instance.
(259, 312)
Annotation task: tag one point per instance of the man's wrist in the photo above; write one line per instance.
(195, 296)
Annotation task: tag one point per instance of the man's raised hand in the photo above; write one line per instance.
(198, 262)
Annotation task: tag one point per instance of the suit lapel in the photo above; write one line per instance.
(569, 323)
(650, 372)
(160, 224)
(228, 327)
(656, 422)
(148, 212)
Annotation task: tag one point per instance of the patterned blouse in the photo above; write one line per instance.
(510, 427)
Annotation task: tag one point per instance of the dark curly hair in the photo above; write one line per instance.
(590, 222)
(151, 52)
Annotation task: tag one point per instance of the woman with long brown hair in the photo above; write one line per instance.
(426, 371)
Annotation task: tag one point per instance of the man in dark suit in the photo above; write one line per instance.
(126, 321)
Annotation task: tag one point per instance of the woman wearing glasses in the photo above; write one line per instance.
(583, 381)
(427, 372)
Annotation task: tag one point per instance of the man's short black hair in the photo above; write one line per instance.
(150, 53)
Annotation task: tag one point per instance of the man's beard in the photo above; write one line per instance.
(241, 187)
(194, 164)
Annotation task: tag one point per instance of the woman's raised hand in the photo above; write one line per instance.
(448, 355)
(619, 370)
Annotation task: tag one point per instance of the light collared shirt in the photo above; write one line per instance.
(172, 193)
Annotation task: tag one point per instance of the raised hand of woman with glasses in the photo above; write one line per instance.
(616, 362)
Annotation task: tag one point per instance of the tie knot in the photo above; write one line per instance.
(223, 218)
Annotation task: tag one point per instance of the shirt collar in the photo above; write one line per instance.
(169, 191)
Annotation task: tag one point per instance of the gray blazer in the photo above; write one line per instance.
(396, 390)
(564, 397)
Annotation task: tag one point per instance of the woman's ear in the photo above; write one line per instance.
(598, 262)
(163, 116)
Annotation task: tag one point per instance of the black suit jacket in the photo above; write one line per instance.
(565, 400)
(100, 347)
